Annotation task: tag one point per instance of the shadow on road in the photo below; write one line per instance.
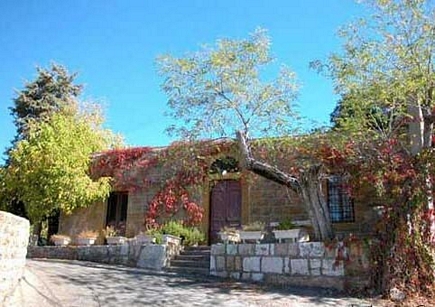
(110, 285)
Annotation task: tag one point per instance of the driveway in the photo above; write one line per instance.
(74, 283)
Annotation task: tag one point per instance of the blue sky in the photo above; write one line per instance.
(113, 44)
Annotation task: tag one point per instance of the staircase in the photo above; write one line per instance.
(192, 260)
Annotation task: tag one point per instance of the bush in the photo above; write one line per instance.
(189, 235)
(286, 225)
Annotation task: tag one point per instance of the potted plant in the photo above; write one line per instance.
(229, 234)
(287, 230)
(112, 236)
(87, 237)
(60, 240)
(252, 232)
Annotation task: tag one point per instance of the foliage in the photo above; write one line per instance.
(50, 168)
(121, 163)
(53, 91)
(110, 231)
(177, 171)
(285, 225)
(254, 226)
(386, 76)
(218, 90)
(189, 235)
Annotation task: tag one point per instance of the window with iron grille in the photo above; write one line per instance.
(340, 204)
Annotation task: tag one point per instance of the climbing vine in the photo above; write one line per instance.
(176, 170)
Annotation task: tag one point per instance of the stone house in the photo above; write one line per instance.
(230, 196)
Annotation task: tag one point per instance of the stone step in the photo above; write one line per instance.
(190, 263)
(193, 257)
(195, 252)
(189, 270)
(200, 247)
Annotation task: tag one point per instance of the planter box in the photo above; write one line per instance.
(294, 235)
(251, 235)
(144, 239)
(229, 237)
(61, 241)
(86, 241)
(115, 240)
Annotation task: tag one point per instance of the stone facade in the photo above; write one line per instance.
(262, 200)
(148, 256)
(299, 264)
(14, 238)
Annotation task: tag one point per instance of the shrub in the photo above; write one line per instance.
(189, 235)
(285, 225)
(255, 226)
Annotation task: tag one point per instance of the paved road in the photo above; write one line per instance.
(74, 283)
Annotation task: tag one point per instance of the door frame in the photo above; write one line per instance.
(244, 185)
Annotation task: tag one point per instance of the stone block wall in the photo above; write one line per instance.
(300, 264)
(148, 256)
(271, 202)
(14, 238)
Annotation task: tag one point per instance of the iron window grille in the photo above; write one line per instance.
(341, 206)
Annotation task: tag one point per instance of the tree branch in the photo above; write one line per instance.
(263, 169)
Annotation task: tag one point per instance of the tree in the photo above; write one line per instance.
(52, 91)
(387, 66)
(47, 167)
(218, 91)
(50, 168)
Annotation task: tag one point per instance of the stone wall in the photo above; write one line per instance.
(91, 218)
(14, 237)
(271, 202)
(149, 256)
(300, 264)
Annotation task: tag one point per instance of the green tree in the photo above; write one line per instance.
(386, 76)
(217, 91)
(50, 168)
(220, 90)
(52, 91)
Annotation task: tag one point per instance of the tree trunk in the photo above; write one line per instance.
(420, 132)
(308, 187)
(314, 200)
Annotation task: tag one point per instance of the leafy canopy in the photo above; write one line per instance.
(386, 76)
(218, 90)
(51, 92)
(386, 67)
(49, 169)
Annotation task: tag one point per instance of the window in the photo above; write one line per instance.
(117, 210)
(339, 202)
(224, 165)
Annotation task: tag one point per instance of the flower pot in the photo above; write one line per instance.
(293, 235)
(251, 235)
(86, 241)
(61, 241)
(115, 240)
(229, 237)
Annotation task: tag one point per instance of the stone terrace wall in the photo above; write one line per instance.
(148, 256)
(299, 264)
(14, 238)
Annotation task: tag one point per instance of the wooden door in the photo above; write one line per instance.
(225, 207)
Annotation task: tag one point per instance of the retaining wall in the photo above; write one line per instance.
(14, 237)
(132, 253)
(299, 264)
